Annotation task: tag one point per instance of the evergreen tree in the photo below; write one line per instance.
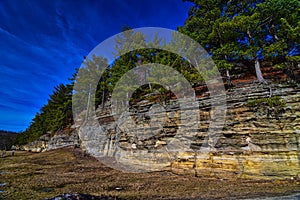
(86, 81)
(263, 29)
(281, 20)
(208, 24)
(251, 30)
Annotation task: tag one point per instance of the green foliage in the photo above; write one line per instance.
(223, 64)
(294, 59)
(144, 56)
(290, 62)
(251, 29)
(271, 102)
(87, 78)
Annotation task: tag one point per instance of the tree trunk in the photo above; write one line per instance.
(88, 104)
(259, 75)
(228, 78)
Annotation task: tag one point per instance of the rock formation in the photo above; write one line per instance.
(46, 142)
(260, 139)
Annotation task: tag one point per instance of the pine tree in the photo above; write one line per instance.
(283, 32)
(210, 25)
(87, 78)
(251, 30)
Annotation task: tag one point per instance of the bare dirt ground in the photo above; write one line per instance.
(48, 174)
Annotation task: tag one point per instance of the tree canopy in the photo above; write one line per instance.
(252, 30)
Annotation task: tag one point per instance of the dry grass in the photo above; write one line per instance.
(44, 175)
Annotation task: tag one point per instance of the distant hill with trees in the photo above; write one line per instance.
(7, 138)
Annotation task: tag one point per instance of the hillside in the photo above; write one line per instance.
(7, 139)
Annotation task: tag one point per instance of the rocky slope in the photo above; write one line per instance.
(260, 138)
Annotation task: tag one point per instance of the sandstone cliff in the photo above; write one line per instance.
(260, 138)
(46, 142)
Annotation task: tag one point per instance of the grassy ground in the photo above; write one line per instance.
(48, 174)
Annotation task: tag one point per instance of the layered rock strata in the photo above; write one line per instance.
(46, 142)
(259, 139)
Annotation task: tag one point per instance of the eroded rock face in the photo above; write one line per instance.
(63, 140)
(46, 142)
(256, 141)
(39, 145)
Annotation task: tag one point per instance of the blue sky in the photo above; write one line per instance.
(42, 42)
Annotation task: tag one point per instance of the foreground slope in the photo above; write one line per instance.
(69, 170)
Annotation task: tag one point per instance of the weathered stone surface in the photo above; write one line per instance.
(63, 140)
(256, 141)
(243, 164)
(37, 145)
(46, 142)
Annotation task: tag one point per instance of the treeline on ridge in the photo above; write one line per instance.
(230, 31)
